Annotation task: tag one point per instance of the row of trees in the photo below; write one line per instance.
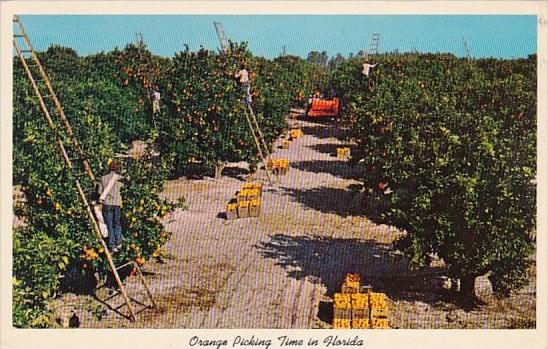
(455, 142)
(106, 97)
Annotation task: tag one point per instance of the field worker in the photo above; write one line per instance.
(156, 101)
(367, 68)
(243, 75)
(112, 202)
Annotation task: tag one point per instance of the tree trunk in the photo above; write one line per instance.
(467, 289)
(219, 169)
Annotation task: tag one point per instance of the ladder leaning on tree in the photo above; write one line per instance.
(74, 157)
(258, 138)
(256, 133)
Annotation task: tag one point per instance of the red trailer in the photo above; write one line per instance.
(323, 108)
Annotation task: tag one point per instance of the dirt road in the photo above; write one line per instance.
(280, 270)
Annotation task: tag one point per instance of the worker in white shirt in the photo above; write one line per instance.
(156, 101)
(367, 67)
(243, 76)
(112, 204)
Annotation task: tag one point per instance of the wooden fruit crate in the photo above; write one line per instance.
(379, 313)
(247, 186)
(360, 301)
(255, 208)
(360, 324)
(342, 313)
(242, 195)
(360, 313)
(378, 323)
(377, 300)
(342, 301)
(231, 211)
(243, 209)
(285, 144)
(341, 323)
(343, 153)
(253, 194)
(295, 133)
(350, 287)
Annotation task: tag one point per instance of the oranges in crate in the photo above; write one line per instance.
(378, 323)
(377, 300)
(379, 313)
(243, 209)
(278, 166)
(231, 211)
(360, 323)
(360, 301)
(343, 301)
(295, 133)
(341, 323)
(242, 195)
(343, 153)
(366, 310)
(254, 208)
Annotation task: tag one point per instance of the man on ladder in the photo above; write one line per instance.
(367, 67)
(243, 75)
(156, 101)
(111, 199)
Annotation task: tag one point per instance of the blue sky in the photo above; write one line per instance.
(495, 35)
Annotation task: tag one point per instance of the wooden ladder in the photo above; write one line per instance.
(221, 35)
(374, 47)
(258, 138)
(73, 155)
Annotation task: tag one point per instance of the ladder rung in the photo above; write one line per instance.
(25, 51)
(18, 36)
(124, 265)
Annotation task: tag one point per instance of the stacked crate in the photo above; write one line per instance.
(278, 166)
(357, 310)
(247, 203)
(285, 144)
(379, 310)
(295, 133)
(343, 153)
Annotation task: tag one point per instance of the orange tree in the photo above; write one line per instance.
(301, 77)
(457, 148)
(56, 238)
(204, 116)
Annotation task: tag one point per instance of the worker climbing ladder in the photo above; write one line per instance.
(74, 157)
(256, 132)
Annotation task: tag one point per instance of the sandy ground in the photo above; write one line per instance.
(280, 270)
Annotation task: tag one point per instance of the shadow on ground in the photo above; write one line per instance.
(327, 260)
(323, 130)
(337, 168)
(235, 172)
(339, 201)
(327, 148)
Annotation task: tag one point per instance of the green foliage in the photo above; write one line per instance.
(203, 120)
(56, 238)
(455, 142)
